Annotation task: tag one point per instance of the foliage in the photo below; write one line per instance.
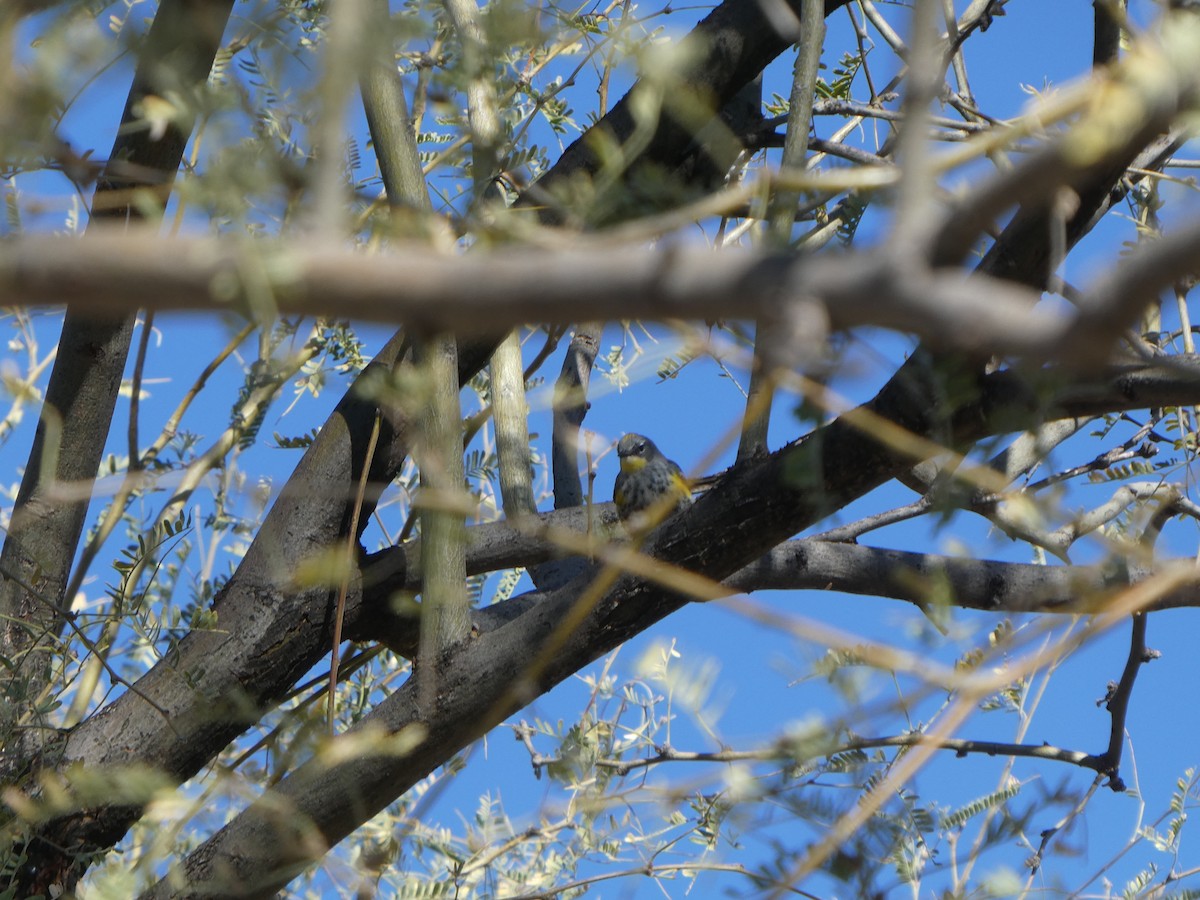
(829, 752)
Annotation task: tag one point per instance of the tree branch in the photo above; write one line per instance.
(1119, 694)
(791, 750)
(809, 564)
(44, 531)
(482, 293)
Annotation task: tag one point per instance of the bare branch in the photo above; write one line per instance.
(483, 293)
(511, 417)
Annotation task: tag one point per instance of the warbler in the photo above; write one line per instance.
(648, 484)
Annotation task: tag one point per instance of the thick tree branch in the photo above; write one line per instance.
(45, 529)
(482, 293)
(1106, 45)
(510, 414)
(721, 55)
(389, 121)
(570, 408)
(446, 610)
(809, 564)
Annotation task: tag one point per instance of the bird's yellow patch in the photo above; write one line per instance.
(680, 486)
(631, 464)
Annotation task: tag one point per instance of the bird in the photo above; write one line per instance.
(649, 486)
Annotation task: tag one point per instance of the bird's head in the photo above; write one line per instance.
(634, 451)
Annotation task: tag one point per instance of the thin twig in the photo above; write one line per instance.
(347, 560)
